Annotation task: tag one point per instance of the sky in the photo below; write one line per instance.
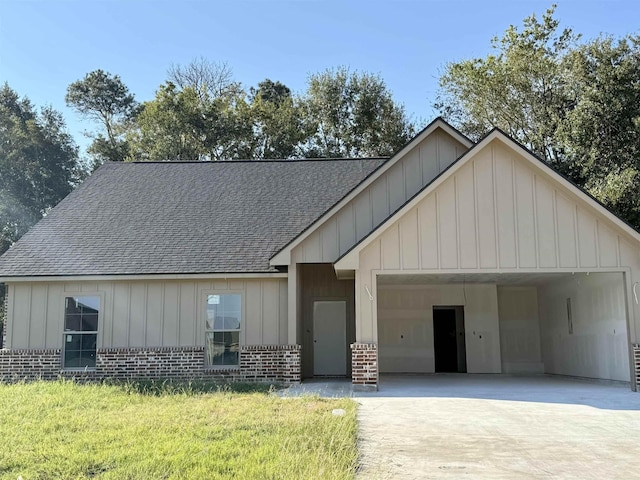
(47, 44)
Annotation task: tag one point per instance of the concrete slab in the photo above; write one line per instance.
(494, 426)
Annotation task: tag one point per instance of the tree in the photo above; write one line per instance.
(520, 88)
(208, 79)
(279, 126)
(181, 124)
(354, 115)
(104, 98)
(576, 105)
(601, 134)
(38, 164)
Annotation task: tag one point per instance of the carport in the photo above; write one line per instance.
(499, 265)
(517, 323)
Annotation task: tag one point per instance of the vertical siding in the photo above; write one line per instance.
(384, 196)
(485, 209)
(145, 313)
(497, 213)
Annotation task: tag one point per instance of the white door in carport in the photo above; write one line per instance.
(330, 337)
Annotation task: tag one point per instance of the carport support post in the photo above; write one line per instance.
(634, 347)
(364, 366)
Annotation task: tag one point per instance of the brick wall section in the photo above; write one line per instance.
(364, 364)
(258, 363)
(636, 357)
(143, 363)
(30, 364)
(270, 363)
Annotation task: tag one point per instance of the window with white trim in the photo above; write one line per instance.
(80, 331)
(222, 329)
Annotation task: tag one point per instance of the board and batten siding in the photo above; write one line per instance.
(495, 213)
(146, 313)
(380, 199)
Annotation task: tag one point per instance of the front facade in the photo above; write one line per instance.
(448, 257)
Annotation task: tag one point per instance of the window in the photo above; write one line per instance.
(222, 330)
(80, 331)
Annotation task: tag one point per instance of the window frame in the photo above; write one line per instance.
(240, 330)
(65, 332)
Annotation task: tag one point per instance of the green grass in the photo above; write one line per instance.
(66, 430)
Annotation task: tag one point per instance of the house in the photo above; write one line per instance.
(448, 257)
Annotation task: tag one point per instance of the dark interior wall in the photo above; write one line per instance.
(319, 282)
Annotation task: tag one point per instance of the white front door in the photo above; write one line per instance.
(330, 337)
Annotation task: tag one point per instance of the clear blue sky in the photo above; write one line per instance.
(47, 44)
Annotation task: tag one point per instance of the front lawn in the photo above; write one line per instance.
(66, 430)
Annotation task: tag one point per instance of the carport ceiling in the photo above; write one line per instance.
(537, 278)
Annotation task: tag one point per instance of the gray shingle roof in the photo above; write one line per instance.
(155, 218)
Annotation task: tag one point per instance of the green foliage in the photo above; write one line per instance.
(38, 164)
(106, 99)
(520, 88)
(601, 133)
(207, 116)
(575, 105)
(182, 124)
(65, 430)
(353, 114)
(279, 125)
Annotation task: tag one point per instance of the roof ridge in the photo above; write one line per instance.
(209, 162)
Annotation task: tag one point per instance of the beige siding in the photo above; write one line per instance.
(384, 196)
(598, 346)
(497, 213)
(493, 215)
(405, 326)
(146, 313)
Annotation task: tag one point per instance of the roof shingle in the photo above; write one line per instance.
(166, 218)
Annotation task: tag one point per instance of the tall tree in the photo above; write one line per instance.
(520, 87)
(106, 99)
(354, 115)
(601, 133)
(576, 105)
(208, 79)
(180, 124)
(38, 164)
(279, 125)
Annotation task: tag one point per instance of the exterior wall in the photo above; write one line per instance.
(257, 364)
(405, 326)
(384, 196)
(150, 329)
(496, 213)
(519, 330)
(146, 313)
(598, 345)
(319, 282)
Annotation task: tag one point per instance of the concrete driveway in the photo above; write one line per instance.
(495, 427)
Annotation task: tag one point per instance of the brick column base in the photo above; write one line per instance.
(364, 366)
(636, 358)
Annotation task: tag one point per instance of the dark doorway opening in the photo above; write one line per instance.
(448, 339)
